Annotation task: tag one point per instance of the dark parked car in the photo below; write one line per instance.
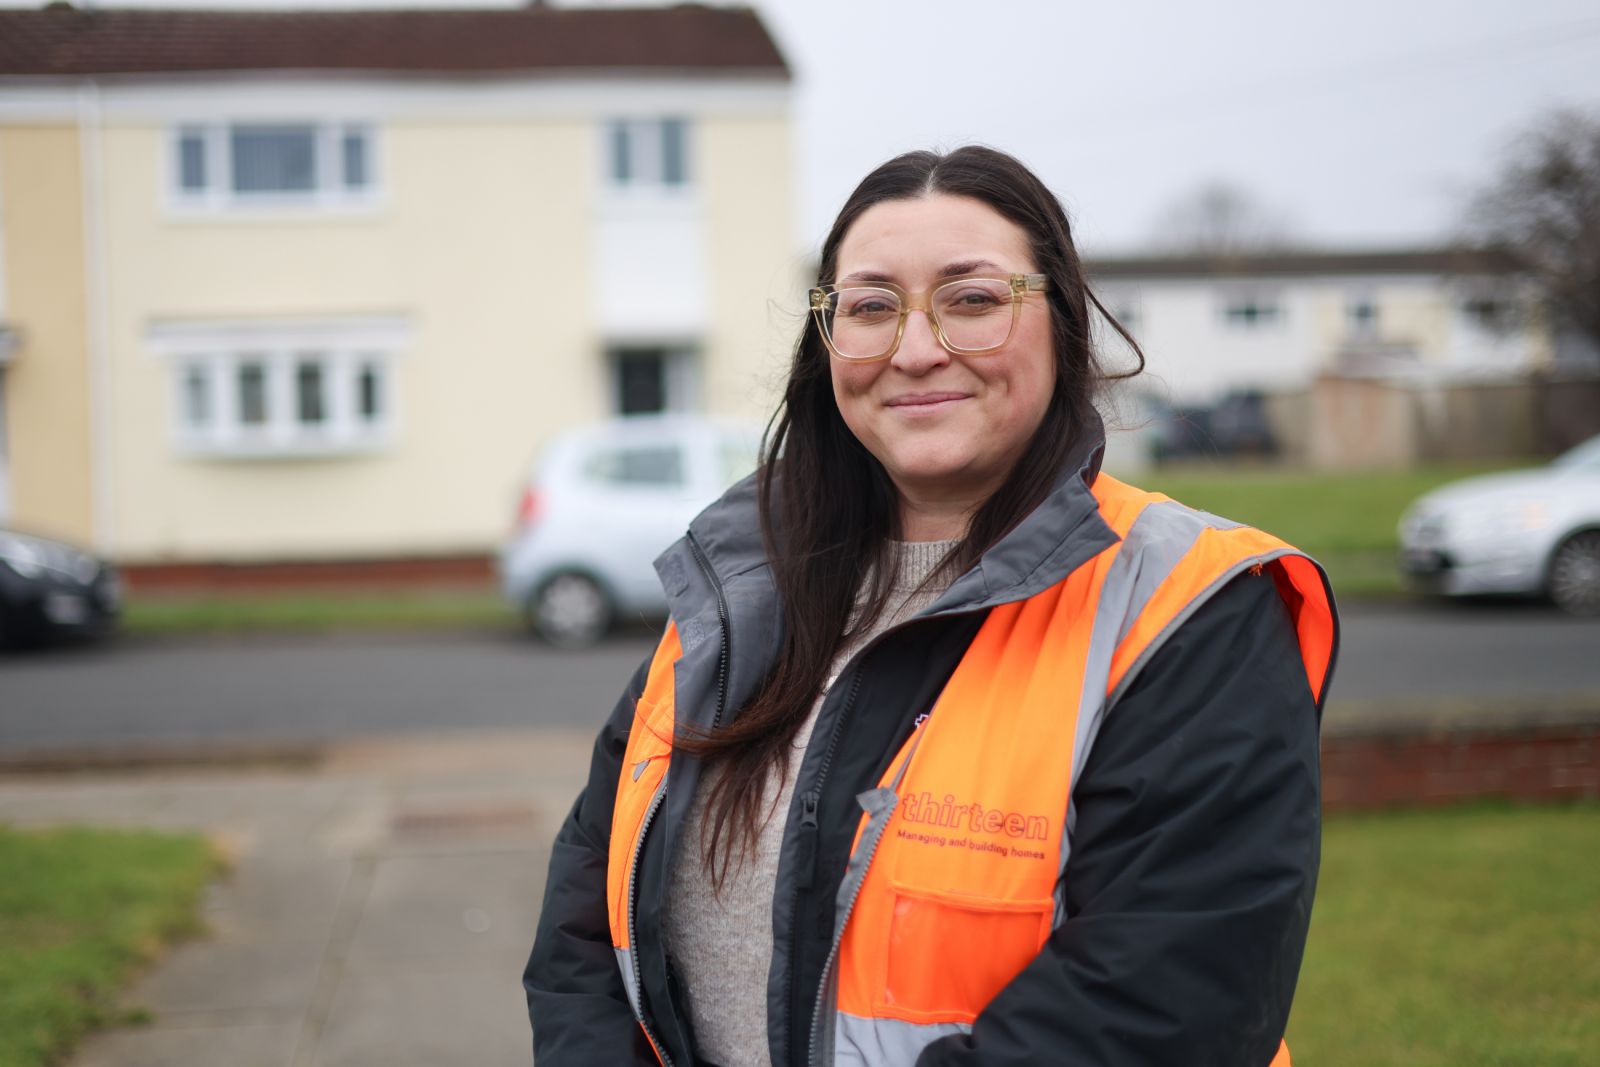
(1237, 425)
(52, 589)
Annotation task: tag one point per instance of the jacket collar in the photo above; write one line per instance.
(1063, 532)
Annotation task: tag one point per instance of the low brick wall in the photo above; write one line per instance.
(403, 573)
(1441, 758)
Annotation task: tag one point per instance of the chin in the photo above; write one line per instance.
(937, 471)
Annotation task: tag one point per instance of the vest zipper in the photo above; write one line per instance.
(633, 933)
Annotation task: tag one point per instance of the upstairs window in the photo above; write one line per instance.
(292, 164)
(1361, 315)
(1251, 311)
(648, 153)
(1488, 312)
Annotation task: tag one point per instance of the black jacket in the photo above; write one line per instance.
(1188, 887)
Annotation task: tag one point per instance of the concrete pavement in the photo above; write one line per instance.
(379, 908)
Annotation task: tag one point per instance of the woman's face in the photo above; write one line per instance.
(947, 428)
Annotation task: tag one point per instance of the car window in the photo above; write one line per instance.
(1582, 457)
(736, 457)
(660, 466)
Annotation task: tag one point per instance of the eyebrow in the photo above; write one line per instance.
(952, 270)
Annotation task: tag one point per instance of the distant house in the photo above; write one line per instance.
(285, 285)
(1362, 358)
(1214, 325)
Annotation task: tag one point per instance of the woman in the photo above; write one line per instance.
(955, 751)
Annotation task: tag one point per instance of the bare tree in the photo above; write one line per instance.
(1544, 206)
(1219, 218)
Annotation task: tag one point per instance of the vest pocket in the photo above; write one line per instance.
(949, 954)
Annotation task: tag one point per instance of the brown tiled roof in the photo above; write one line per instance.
(1256, 264)
(686, 39)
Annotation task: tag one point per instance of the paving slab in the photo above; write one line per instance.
(247, 1045)
(379, 905)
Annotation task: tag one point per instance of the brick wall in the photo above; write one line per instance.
(455, 571)
(1541, 762)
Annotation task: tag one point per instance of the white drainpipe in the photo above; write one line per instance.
(97, 288)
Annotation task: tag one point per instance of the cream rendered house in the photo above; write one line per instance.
(283, 286)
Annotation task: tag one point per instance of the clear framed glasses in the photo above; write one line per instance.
(970, 315)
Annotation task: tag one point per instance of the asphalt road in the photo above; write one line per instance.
(296, 689)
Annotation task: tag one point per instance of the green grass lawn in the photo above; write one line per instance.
(245, 612)
(1467, 937)
(80, 910)
(1346, 520)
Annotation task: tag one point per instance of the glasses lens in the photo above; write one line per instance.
(861, 322)
(975, 313)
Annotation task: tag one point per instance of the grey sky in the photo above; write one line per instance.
(1365, 122)
(1362, 122)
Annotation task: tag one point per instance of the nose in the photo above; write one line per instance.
(920, 350)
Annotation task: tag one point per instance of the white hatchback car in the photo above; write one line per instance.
(1529, 532)
(605, 501)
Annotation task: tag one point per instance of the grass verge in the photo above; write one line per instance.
(1347, 520)
(80, 909)
(398, 609)
(1463, 937)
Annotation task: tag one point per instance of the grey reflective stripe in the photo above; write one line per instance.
(1189, 609)
(625, 965)
(886, 1042)
(1159, 538)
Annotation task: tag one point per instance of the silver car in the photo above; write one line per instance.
(605, 501)
(1520, 532)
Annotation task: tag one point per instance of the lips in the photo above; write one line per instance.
(923, 400)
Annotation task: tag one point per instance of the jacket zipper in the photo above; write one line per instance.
(808, 827)
(829, 978)
(661, 794)
(722, 618)
(633, 933)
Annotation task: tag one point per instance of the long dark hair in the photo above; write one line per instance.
(828, 508)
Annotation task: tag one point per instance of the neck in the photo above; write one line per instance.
(941, 519)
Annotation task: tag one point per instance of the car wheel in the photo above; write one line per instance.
(1575, 574)
(570, 610)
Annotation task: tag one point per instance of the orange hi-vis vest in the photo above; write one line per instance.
(954, 881)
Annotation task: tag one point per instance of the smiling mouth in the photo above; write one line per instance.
(923, 400)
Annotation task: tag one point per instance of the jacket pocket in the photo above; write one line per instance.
(949, 954)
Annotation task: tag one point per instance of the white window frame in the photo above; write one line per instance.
(1354, 325)
(218, 196)
(1263, 299)
(646, 137)
(344, 350)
